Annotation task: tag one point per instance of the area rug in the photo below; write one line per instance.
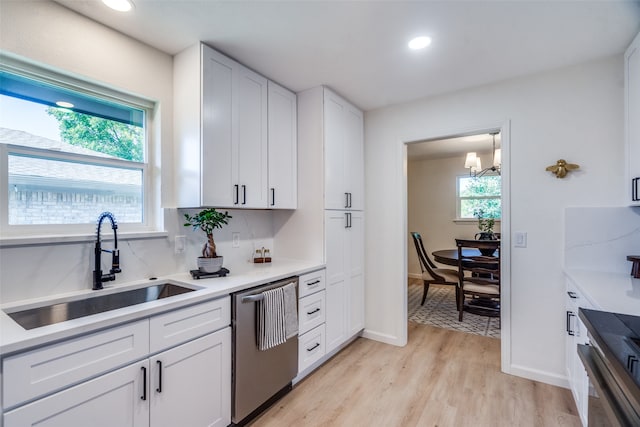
(440, 311)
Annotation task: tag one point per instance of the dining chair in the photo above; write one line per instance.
(430, 272)
(478, 278)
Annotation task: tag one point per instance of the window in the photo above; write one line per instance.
(479, 193)
(72, 150)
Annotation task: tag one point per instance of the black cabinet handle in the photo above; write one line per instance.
(315, 282)
(346, 200)
(235, 192)
(244, 194)
(349, 199)
(313, 311)
(569, 331)
(634, 189)
(159, 389)
(314, 347)
(572, 294)
(347, 217)
(144, 383)
(631, 363)
(273, 197)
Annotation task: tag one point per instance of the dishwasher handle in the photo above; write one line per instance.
(252, 298)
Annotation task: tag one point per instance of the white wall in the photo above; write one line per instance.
(574, 113)
(49, 34)
(431, 200)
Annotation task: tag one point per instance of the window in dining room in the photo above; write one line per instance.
(479, 193)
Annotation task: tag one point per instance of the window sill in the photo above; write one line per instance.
(18, 241)
(470, 221)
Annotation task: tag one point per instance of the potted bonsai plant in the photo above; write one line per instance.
(208, 220)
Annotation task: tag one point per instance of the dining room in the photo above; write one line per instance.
(448, 200)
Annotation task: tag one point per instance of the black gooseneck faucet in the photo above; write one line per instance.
(98, 277)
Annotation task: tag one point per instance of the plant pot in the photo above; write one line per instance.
(210, 265)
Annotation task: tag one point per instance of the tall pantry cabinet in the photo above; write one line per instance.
(330, 212)
(632, 120)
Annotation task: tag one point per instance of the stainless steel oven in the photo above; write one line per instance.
(612, 362)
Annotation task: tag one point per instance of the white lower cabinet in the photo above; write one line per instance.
(576, 334)
(311, 319)
(114, 399)
(185, 379)
(345, 275)
(190, 385)
(311, 347)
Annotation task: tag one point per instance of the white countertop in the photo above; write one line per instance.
(613, 292)
(14, 338)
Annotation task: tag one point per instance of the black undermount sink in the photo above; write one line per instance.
(61, 312)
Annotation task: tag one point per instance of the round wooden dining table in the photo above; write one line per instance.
(450, 256)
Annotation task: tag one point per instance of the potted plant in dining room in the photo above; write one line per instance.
(208, 220)
(485, 225)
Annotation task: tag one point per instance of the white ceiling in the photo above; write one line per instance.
(359, 48)
(452, 147)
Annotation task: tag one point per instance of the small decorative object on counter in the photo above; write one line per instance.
(262, 255)
(635, 266)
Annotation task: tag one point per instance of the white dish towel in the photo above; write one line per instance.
(277, 316)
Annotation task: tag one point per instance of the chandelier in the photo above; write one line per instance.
(474, 165)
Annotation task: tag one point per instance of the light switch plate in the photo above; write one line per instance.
(235, 238)
(179, 244)
(520, 239)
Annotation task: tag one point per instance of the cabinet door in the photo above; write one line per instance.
(355, 248)
(354, 157)
(114, 399)
(217, 177)
(632, 120)
(337, 291)
(334, 151)
(283, 158)
(251, 138)
(191, 384)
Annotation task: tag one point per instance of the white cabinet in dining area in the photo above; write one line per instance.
(632, 120)
(220, 131)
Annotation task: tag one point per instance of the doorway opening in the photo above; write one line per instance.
(441, 206)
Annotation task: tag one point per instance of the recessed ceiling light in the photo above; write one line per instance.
(64, 104)
(119, 5)
(419, 42)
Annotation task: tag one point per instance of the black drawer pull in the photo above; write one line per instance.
(569, 331)
(572, 294)
(313, 311)
(314, 347)
(315, 282)
(235, 194)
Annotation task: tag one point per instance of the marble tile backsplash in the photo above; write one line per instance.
(37, 271)
(600, 238)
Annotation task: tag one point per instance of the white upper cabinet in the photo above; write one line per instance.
(220, 110)
(344, 159)
(632, 120)
(283, 143)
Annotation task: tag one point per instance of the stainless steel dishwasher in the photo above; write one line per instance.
(259, 377)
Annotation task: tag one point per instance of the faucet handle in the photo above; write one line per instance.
(115, 261)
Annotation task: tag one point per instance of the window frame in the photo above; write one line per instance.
(459, 198)
(16, 234)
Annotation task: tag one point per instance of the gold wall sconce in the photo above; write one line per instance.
(561, 168)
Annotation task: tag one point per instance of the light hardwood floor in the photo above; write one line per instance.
(441, 378)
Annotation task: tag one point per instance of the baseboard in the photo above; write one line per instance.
(384, 338)
(540, 376)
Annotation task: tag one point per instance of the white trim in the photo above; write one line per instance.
(505, 300)
(384, 338)
(541, 376)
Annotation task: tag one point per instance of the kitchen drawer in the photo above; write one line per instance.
(311, 312)
(175, 327)
(311, 283)
(53, 367)
(311, 347)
